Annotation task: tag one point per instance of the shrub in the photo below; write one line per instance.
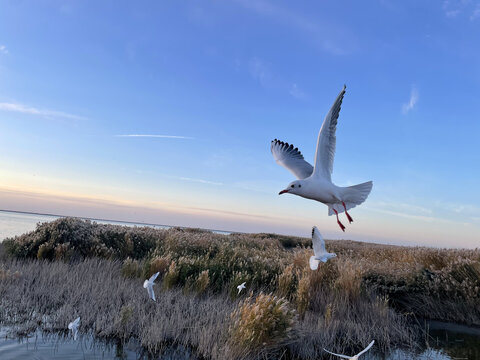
(286, 282)
(3, 254)
(159, 264)
(202, 282)
(131, 268)
(84, 239)
(303, 294)
(263, 322)
(171, 277)
(45, 251)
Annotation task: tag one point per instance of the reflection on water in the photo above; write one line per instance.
(458, 342)
(44, 346)
(445, 342)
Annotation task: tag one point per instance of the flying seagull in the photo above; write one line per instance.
(314, 182)
(241, 287)
(319, 250)
(74, 325)
(148, 284)
(355, 357)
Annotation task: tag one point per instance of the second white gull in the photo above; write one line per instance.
(321, 254)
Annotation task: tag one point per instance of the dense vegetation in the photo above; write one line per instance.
(286, 309)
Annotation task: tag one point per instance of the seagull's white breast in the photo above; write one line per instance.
(318, 189)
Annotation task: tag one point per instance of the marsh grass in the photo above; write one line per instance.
(3, 254)
(368, 292)
(50, 295)
(264, 321)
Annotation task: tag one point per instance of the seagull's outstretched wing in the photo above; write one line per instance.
(318, 242)
(327, 140)
(74, 324)
(366, 349)
(291, 158)
(339, 355)
(153, 277)
(151, 293)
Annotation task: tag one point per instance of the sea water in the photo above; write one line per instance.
(14, 223)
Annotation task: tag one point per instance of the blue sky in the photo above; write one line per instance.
(221, 79)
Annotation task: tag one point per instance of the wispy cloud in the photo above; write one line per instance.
(412, 102)
(296, 92)
(402, 207)
(476, 13)
(154, 136)
(13, 107)
(202, 181)
(3, 49)
(459, 208)
(402, 214)
(453, 8)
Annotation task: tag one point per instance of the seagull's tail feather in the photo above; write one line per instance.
(352, 196)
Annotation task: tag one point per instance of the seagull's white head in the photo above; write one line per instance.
(295, 187)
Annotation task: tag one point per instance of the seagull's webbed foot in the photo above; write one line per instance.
(350, 220)
(339, 222)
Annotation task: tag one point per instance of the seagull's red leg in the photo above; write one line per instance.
(338, 221)
(350, 220)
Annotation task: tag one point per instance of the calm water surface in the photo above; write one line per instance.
(443, 344)
(16, 223)
(40, 346)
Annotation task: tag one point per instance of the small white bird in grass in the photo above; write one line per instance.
(315, 182)
(74, 325)
(148, 284)
(241, 287)
(319, 250)
(355, 357)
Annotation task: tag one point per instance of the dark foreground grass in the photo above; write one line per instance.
(72, 267)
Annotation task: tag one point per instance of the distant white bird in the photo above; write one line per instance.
(315, 182)
(319, 250)
(241, 287)
(355, 357)
(148, 284)
(74, 325)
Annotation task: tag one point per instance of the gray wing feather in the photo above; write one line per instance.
(151, 292)
(291, 158)
(318, 242)
(153, 277)
(342, 356)
(367, 348)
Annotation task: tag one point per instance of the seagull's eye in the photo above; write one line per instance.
(293, 186)
(299, 185)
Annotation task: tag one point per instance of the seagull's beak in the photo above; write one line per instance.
(283, 192)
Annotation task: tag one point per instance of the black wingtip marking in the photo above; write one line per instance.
(290, 148)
